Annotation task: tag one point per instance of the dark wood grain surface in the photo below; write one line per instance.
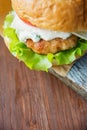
(31, 100)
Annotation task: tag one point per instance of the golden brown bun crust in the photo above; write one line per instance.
(62, 15)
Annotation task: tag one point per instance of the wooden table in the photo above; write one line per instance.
(31, 100)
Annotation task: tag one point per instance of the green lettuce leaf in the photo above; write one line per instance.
(23, 53)
(38, 61)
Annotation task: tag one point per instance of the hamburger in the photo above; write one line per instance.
(44, 33)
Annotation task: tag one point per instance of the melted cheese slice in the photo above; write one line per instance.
(25, 31)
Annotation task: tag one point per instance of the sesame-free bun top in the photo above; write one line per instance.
(58, 15)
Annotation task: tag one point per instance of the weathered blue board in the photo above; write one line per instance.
(78, 75)
(76, 78)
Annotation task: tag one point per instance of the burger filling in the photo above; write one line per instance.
(26, 31)
(25, 42)
(42, 41)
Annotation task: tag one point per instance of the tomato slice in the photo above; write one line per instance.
(27, 22)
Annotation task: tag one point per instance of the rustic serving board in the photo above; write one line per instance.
(74, 75)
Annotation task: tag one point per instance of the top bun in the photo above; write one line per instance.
(57, 15)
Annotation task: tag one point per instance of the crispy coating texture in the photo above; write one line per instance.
(52, 46)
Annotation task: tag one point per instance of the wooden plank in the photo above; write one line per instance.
(76, 77)
(32, 100)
